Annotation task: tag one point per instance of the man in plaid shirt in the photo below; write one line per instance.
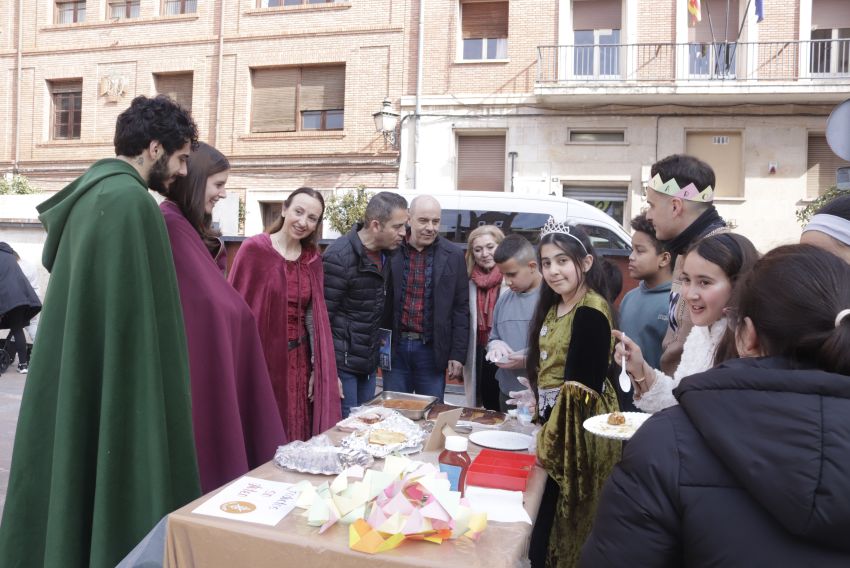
(431, 306)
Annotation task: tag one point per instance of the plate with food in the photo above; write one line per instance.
(479, 417)
(616, 425)
(364, 417)
(413, 406)
(393, 434)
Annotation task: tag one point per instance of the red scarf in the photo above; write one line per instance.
(487, 284)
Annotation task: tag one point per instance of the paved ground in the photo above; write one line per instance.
(11, 388)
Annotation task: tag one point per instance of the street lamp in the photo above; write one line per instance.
(386, 121)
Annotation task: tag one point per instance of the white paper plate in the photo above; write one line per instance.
(599, 425)
(499, 440)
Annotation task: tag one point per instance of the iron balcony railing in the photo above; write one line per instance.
(778, 61)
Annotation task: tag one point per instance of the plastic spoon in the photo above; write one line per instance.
(625, 382)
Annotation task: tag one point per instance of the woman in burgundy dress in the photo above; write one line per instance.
(236, 424)
(279, 273)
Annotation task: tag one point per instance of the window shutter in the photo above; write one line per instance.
(322, 88)
(484, 19)
(822, 166)
(273, 100)
(597, 15)
(177, 86)
(481, 163)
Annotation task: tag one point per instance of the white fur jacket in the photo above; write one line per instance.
(697, 356)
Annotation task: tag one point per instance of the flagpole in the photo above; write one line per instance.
(744, 20)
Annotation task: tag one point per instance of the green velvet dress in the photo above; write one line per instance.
(577, 460)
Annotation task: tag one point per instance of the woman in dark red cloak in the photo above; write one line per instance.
(237, 426)
(279, 273)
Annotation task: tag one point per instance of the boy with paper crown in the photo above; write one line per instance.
(680, 205)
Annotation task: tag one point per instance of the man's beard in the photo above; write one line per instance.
(159, 175)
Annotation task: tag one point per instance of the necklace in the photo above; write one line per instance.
(278, 245)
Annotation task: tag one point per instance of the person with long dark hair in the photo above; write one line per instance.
(237, 425)
(710, 271)
(569, 353)
(749, 468)
(279, 273)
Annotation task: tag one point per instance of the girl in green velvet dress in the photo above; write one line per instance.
(569, 352)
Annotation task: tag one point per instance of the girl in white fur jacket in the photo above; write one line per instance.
(711, 269)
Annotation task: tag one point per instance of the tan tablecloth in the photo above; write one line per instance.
(209, 542)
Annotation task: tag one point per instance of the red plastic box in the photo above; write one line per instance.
(501, 470)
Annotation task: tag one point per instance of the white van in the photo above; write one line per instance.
(522, 214)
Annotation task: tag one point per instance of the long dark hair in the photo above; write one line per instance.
(735, 255)
(189, 192)
(312, 239)
(594, 279)
(793, 296)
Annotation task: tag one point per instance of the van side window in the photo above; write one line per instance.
(456, 224)
(605, 239)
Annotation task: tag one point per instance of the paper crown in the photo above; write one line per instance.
(689, 192)
(553, 226)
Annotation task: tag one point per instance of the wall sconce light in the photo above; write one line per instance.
(386, 121)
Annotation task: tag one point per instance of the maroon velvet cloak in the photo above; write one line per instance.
(236, 421)
(258, 274)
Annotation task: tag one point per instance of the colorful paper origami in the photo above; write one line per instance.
(406, 501)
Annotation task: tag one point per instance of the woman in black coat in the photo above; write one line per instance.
(751, 468)
(18, 304)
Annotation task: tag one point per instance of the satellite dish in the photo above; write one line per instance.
(838, 130)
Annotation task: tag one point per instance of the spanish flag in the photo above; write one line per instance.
(695, 11)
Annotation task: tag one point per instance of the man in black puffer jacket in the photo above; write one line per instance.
(357, 282)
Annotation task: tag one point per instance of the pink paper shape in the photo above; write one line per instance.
(398, 504)
(435, 512)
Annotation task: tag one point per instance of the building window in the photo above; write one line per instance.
(174, 7)
(70, 12)
(484, 30)
(289, 99)
(124, 10)
(830, 45)
(597, 136)
(822, 166)
(596, 29)
(276, 3)
(481, 162)
(723, 152)
(610, 200)
(178, 86)
(67, 106)
(712, 49)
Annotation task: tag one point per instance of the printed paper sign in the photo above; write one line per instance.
(252, 500)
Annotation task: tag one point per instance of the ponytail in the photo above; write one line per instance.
(794, 296)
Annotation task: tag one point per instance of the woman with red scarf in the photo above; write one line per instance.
(485, 281)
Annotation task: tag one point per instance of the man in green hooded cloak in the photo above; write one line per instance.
(104, 446)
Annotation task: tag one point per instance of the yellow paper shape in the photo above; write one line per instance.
(363, 538)
(396, 465)
(339, 484)
(306, 495)
(392, 525)
(358, 513)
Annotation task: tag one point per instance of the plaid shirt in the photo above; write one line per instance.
(413, 304)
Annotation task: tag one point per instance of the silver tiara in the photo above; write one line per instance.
(555, 227)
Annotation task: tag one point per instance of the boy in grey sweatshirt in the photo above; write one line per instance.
(509, 337)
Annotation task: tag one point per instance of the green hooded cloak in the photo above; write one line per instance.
(104, 446)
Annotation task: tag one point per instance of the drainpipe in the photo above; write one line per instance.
(419, 61)
(512, 156)
(19, 74)
(218, 78)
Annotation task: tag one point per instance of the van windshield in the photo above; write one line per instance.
(456, 224)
